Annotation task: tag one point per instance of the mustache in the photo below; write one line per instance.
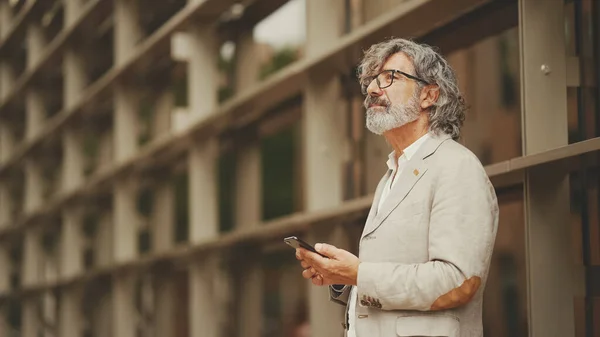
(370, 100)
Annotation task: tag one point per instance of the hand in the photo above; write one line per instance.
(309, 272)
(341, 267)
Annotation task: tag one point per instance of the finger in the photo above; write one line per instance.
(308, 274)
(317, 280)
(298, 254)
(304, 264)
(327, 250)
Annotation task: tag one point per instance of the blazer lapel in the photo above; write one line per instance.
(411, 174)
(378, 192)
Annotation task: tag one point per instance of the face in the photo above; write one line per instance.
(396, 105)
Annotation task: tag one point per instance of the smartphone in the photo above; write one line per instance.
(295, 242)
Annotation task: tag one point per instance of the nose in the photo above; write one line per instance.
(373, 89)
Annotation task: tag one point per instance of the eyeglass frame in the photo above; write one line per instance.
(376, 78)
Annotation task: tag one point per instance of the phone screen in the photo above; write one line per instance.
(295, 242)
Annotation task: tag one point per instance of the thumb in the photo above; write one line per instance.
(327, 249)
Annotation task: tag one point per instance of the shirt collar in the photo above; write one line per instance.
(408, 152)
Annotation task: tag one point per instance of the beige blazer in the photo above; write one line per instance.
(425, 256)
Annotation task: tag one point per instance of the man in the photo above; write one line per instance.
(425, 250)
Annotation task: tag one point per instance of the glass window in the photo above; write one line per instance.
(505, 298)
(285, 311)
(585, 221)
(489, 77)
(280, 168)
(583, 70)
(279, 38)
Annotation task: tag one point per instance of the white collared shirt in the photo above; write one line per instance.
(396, 168)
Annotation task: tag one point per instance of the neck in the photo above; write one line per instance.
(400, 138)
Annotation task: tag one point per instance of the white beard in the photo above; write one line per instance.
(382, 119)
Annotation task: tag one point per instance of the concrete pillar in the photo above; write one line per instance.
(75, 77)
(5, 270)
(127, 32)
(251, 295)
(36, 42)
(163, 214)
(102, 317)
(125, 220)
(103, 243)
(248, 202)
(7, 142)
(5, 19)
(548, 232)
(324, 132)
(203, 311)
(5, 204)
(202, 76)
(123, 314)
(164, 106)
(125, 121)
(30, 323)
(72, 11)
(33, 186)
(204, 220)
(7, 79)
(72, 167)
(70, 315)
(325, 316)
(248, 198)
(165, 306)
(36, 112)
(32, 257)
(247, 67)
(71, 258)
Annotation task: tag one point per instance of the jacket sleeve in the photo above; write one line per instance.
(462, 231)
(339, 293)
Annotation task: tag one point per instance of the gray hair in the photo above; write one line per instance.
(448, 112)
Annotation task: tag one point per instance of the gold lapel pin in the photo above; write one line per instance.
(416, 172)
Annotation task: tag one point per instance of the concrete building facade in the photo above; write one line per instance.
(147, 181)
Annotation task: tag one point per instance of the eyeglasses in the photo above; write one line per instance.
(386, 78)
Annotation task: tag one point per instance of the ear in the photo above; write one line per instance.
(429, 95)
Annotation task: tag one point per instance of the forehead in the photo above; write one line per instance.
(399, 61)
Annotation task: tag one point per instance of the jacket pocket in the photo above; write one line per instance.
(428, 325)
